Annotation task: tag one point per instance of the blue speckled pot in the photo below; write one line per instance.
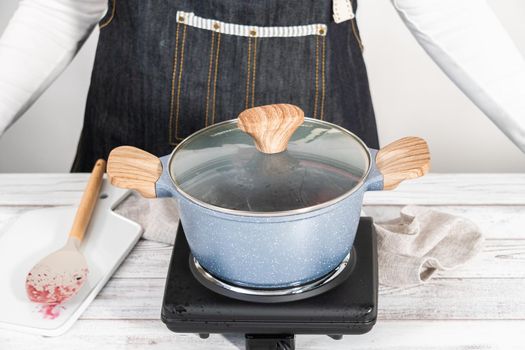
(258, 198)
(271, 252)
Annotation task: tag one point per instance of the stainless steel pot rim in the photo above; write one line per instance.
(277, 291)
(272, 213)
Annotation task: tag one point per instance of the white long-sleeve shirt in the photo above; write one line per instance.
(41, 39)
(463, 37)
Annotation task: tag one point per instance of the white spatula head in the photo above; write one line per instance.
(59, 276)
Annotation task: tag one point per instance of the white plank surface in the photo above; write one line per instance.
(500, 258)
(439, 299)
(496, 222)
(478, 306)
(401, 335)
(455, 189)
(432, 189)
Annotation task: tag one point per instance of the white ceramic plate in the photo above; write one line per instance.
(35, 234)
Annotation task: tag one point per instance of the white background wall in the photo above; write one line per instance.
(411, 97)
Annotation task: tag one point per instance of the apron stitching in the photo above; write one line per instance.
(248, 73)
(316, 74)
(254, 69)
(179, 83)
(323, 77)
(113, 7)
(173, 83)
(209, 76)
(354, 30)
(215, 78)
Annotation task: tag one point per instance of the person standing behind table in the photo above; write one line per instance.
(166, 69)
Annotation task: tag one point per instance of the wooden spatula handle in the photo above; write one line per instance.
(404, 159)
(88, 201)
(271, 126)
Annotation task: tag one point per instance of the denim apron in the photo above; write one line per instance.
(167, 68)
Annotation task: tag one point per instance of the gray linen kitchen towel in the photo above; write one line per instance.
(411, 248)
(158, 217)
(422, 241)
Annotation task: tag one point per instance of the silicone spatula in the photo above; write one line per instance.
(60, 275)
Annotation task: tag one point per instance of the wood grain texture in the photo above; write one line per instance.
(271, 126)
(132, 168)
(431, 189)
(440, 299)
(455, 189)
(88, 201)
(386, 335)
(480, 305)
(404, 159)
(495, 221)
(500, 258)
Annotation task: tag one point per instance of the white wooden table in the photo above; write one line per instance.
(478, 306)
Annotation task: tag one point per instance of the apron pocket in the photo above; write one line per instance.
(220, 68)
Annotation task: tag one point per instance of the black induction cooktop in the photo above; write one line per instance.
(348, 308)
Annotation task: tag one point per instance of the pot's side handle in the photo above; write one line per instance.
(374, 181)
(132, 168)
(164, 185)
(406, 158)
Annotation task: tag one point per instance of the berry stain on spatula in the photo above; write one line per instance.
(59, 276)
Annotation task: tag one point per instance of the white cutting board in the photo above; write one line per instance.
(36, 233)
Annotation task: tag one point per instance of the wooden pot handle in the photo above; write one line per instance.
(406, 158)
(88, 201)
(132, 168)
(271, 126)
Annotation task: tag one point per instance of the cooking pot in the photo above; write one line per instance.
(272, 199)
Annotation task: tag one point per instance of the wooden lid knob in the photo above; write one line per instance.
(271, 126)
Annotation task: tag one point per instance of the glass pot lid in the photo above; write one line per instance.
(270, 160)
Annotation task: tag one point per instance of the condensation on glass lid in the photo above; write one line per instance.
(320, 164)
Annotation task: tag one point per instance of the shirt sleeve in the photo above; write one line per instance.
(41, 39)
(467, 41)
